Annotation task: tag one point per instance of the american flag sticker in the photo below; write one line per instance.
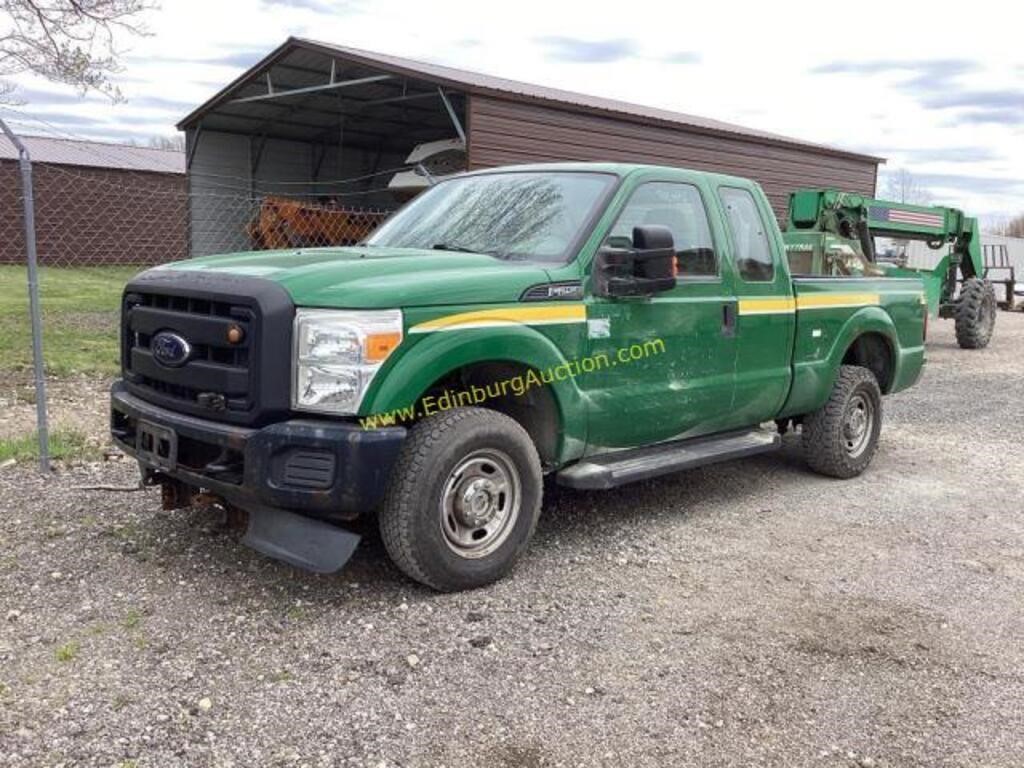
(910, 218)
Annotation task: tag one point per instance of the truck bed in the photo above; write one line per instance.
(890, 310)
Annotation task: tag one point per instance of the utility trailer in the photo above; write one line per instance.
(832, 233)
(999, 269)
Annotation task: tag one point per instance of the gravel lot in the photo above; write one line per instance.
(745, 614)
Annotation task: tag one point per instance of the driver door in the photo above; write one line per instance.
(670, 357)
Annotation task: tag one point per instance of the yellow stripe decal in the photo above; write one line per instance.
(766, 306)
(542, 314)
(776, 306)
(827, 300)
(546, 314)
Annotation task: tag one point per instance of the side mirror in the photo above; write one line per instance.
(648, 267)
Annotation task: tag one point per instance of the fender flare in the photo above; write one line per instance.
(403, 382)
(863, 321)
(813, 380)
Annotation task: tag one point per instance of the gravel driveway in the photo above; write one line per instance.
(744, 614)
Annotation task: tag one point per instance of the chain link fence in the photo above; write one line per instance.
(101, 216)
(99, 219)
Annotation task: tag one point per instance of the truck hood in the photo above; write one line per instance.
(363, 277)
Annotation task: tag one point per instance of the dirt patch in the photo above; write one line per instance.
(78, 403)
(90, 322)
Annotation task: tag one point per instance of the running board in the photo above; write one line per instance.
(610, 470)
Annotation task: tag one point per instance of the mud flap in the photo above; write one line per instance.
(312, 545)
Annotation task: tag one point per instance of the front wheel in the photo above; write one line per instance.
(464, 499)
(840, 438)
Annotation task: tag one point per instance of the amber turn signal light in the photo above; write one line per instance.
(380, 345)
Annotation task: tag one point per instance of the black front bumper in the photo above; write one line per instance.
(320, 468)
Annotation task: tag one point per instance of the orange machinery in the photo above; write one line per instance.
(284, 222)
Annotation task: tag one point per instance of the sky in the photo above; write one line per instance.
(938, 92)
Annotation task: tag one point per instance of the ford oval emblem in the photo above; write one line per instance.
(170, 349)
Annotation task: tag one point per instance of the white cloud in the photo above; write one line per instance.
(750, 63)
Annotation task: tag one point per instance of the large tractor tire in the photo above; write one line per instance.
(464, 499)
(975, 314)
(840, 438)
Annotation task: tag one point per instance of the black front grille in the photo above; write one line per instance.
(216, 367)
(240, 344)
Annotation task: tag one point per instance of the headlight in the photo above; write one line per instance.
(337, 354)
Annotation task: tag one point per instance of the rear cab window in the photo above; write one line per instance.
(752, 250)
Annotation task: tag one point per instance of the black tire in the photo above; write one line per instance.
(975, 314)
(832, 445)
(436, 544)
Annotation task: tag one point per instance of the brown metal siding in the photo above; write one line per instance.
(91, 216)
(505, 132)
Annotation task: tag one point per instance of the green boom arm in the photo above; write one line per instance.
(856, 217)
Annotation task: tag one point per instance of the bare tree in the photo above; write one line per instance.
(1015, 227)
(903, 187)
(1007, 226)
(175, 142)
(66, 41)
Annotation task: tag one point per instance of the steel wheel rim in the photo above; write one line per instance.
(858, 425)
(480, 503)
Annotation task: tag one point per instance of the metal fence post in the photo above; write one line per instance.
(25, 164)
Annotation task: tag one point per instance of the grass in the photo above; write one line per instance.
(64, 444)
(67, 652)
(80, 318)
(281, 676)
(120, 702)
(132, 619)
(125, 532)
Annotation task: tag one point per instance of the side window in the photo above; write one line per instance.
(749, 235)
(678, 207)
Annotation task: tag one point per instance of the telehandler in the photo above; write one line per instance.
(833, 233)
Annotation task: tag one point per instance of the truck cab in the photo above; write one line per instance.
(599, 323)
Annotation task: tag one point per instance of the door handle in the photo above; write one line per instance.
(729, 319)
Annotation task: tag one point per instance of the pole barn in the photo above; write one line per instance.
(329, 127)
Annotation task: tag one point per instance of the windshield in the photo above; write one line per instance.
(516, 215)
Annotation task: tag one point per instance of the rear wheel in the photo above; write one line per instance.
(975, 314)
(840, 438)
(464, 501)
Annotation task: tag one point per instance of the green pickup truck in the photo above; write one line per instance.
(597, 323)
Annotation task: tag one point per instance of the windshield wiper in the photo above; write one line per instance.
(503, 256)
(451, 247)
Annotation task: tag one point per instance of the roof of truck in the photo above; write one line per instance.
(618, 169)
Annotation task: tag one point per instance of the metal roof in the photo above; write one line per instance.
(302, 55)
(96, 154)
